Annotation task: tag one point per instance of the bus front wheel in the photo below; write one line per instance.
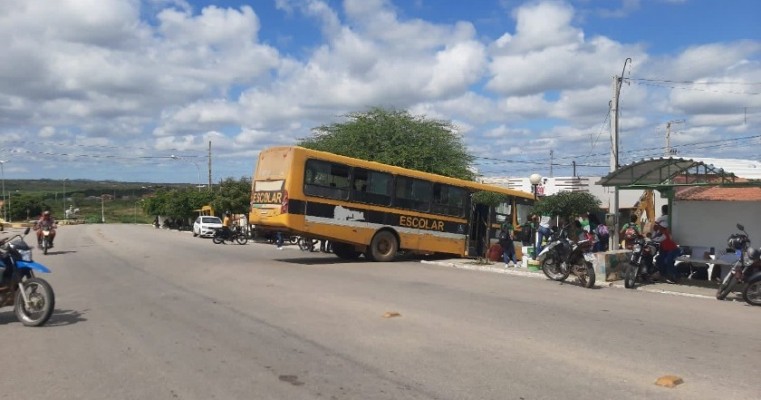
(384, 246)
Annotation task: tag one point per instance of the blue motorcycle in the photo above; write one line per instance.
(32, 297)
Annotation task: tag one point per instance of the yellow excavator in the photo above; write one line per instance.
(646, 205)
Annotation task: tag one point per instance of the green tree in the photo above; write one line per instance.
(234, 196)
(567, 204)
(25, 206)
(396, 138)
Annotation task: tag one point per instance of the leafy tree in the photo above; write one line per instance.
(396, 138)
(567, 204)
(234, 196)
(27, 205)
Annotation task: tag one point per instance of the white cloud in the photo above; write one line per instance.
(160, 76)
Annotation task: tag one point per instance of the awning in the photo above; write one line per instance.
(657, 173)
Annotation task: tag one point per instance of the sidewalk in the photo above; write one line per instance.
(688, 288)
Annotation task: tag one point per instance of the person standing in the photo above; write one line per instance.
(508, 246)
(664, 214)
(279, 240)
(629, 232)
(544, 231)
(668, 252)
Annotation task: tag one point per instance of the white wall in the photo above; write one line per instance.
(550, 186)
(709, 223)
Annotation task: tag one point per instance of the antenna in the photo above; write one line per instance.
(669, 151)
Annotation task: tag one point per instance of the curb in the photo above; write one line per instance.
(519, 271)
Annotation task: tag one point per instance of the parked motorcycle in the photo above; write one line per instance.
(562, 257)
(742, 268)
(32, 297)
(641, 261)
(307, 244)
(310, 245)
(235, 234)
(752, 291)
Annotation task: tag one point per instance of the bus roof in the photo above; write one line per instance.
(356, 162)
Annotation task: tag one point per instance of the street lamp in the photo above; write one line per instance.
(64, 198)
(5, 206)
(535, 180)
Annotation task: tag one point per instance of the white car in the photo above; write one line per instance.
(205, 226)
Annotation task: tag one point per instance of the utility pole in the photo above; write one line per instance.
(617, 82)
(209, 165)
(552, 152)
(668, 152)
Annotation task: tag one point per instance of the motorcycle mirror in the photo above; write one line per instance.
(740, 227)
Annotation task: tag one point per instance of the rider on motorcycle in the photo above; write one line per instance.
(45, 221)
(226, 223)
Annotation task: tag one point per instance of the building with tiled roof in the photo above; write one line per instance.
(707, 215)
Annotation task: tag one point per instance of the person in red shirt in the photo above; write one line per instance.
(668, 252)
(46, 220)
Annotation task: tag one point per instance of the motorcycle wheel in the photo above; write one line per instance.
(553, 268)
(217, 239)
(45, 245)
(293, 239)
(726, 285)
(41, 302)
(587, 279)
(241, 239)
(752, 292)
(304, 243)
(630, 276)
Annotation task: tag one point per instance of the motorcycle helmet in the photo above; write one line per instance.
(46, 213)
(736, 241)
(754, 254)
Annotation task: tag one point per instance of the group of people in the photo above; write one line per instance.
(585, 227)
(589, 227)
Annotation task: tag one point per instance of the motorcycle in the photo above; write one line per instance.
(45, 243)
(235, 234)
(740, 271)
(752, 291)
(562, 257)
(308, 244)
(33, 298)
(641, 261)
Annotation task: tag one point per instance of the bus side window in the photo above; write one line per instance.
(448, 200)
(325, 179)
(413, 194)
(371, 187)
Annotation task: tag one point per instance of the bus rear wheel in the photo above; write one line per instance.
(384, 246)
(345, 251)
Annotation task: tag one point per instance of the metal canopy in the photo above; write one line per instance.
(658, 173)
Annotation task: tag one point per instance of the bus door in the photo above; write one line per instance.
(478, 229)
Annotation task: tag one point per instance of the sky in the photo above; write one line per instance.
(135, 90)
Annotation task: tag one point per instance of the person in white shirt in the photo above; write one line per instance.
(543, 231)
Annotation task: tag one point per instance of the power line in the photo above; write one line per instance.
(672, 86)
(694, 82)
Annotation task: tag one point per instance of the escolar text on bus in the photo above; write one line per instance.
(267, 197)
(421, 223)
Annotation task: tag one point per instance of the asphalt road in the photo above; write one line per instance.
(143, 313)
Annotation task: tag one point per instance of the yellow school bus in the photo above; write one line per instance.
(373, 209)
